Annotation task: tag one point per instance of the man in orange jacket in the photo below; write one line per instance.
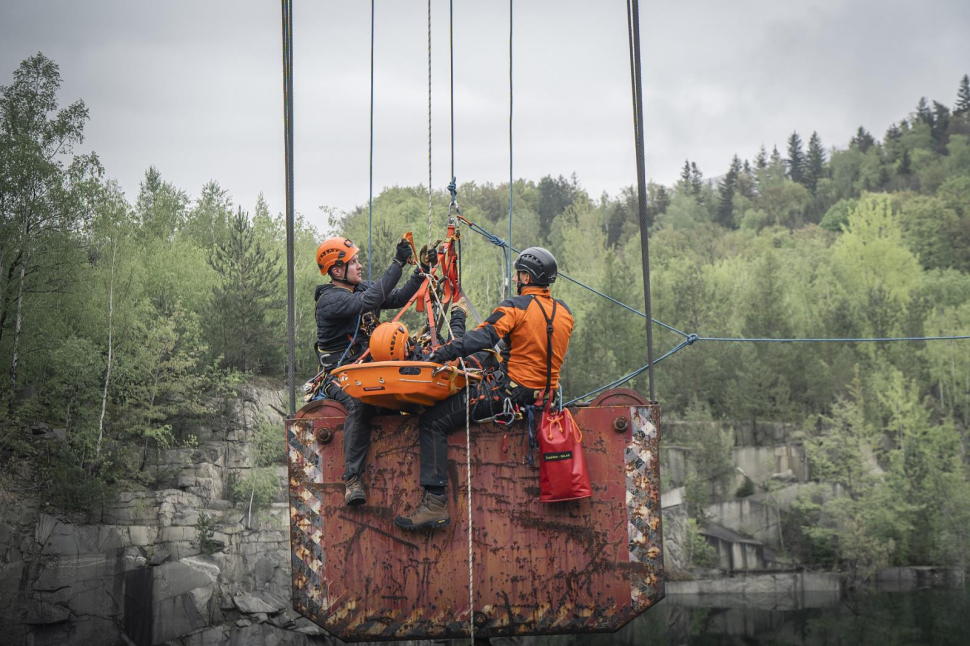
(536, 330)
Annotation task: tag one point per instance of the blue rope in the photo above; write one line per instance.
(499, 242)
(884, 339)
(690, 339)
(622, 380)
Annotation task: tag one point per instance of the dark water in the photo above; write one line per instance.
(930, 617)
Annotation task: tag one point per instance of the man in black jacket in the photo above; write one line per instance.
(347, 311)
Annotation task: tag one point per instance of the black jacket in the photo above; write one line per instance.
(338, 307)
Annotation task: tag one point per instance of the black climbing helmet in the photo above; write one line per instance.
(539, 264)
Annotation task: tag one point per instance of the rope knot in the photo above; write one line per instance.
(691, 338)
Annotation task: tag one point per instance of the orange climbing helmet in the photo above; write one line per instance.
(390, 342)
(335, 251)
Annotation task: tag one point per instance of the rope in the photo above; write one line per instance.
(468, 470)
(430, 193)
(508, 256)
(693, 338)
(633, 16)
(287, 19)
(451, 53)
(370, 198)
(690, 339)
(622, 380)
(499, 242)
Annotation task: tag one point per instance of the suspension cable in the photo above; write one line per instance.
(430, 191)
(508, 258)
(370, 198)
(633, 17)
(287, 10)
(451, 54)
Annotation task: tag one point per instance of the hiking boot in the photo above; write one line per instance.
(432, 513)
(354, 493)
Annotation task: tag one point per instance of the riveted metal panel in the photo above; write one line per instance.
(582, 566)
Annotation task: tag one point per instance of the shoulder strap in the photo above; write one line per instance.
(549, 320)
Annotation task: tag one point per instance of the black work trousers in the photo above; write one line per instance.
(356, 428)
(436, 423)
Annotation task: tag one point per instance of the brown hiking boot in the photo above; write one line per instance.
(354, 493)
(431, 513)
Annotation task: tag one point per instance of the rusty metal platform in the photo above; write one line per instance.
(539, 568)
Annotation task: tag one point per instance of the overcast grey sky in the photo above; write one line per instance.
(195, 88)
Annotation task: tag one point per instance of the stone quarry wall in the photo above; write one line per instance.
(64, 582)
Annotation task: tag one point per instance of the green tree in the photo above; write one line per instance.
(863, 140)
(161, 208)
(684, 184)
(815, 164)
(962, 106)
(248, 287)
(555, 196)
(36, 139)
(796, 159)
(929, 228)
(726, 189)
(761, 161)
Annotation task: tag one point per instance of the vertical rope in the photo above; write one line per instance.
(430, 201)
(287, 8)
(451, 53)
(633, 15)
(468, 471)
(370, 199)
(508, 257)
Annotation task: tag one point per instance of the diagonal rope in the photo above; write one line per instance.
(499, 242)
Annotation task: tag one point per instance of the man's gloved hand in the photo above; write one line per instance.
(428, 257)
(403, 252)
(460, 304)
(439, 356)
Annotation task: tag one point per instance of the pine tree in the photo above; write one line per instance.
(685, 184)
(725, 207)
(962, 106)
(246, 291)
(815, 165)
(761, 161)
(941, 123)
(923, 112)
(662, 200)
(893, 142)
(796, 159)
(863, 140)
(904, 164)
(696, 179)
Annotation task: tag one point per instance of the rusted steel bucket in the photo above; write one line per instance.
(539, 569)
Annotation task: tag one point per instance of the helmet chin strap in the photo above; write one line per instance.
(342, 281)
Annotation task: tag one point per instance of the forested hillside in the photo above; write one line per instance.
(125, 319)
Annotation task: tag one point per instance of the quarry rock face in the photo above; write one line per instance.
(138, 575)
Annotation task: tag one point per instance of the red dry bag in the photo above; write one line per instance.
(562, 465)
